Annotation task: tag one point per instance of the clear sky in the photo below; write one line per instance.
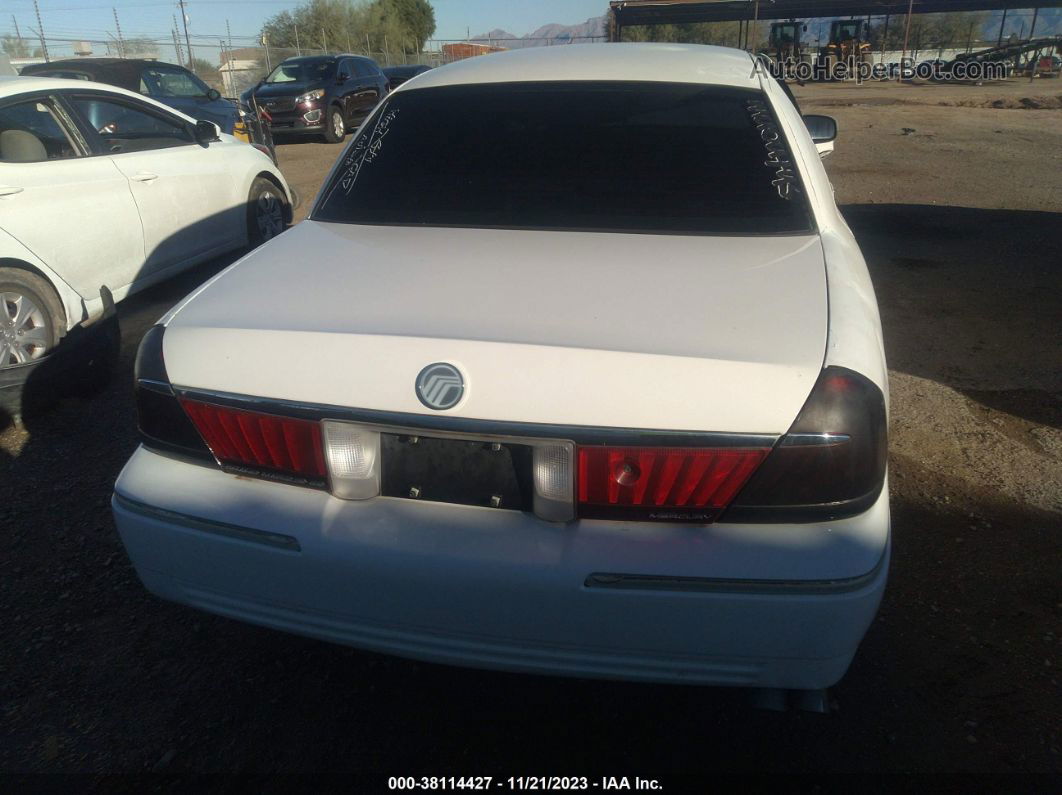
(93, 19)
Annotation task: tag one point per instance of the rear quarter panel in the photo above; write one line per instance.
(854, 338)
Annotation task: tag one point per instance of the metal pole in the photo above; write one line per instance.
(884, 38)
(187, 38)
(40, 31)
(906, 36)
(224, 67)
(324, 39)
(755, 24)
(18, 33)
(1032, 30)
(1002, 24)
(269, 64)
(298, 49)
(118, 27)
(177, 44)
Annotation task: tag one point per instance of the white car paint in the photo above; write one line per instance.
(124, 220)
(551, 323)
(735, 347)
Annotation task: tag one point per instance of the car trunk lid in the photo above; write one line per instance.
(668, 332)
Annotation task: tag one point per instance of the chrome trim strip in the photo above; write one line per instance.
(814, 439)
(462, 427)
(155, 386)
(237, 532)
(649, 582)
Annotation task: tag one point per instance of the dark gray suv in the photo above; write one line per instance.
(320, 94)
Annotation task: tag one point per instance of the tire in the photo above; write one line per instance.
(31, 318)
(267, 212)
(336, 128)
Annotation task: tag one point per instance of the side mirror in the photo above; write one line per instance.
(823, 130)
(205, 132)
(213, 95)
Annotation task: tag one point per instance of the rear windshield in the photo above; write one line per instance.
(636, 157)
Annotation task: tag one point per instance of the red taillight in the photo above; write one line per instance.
(263, 441)
(662, 483)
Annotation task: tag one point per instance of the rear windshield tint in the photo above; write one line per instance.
(633, 157)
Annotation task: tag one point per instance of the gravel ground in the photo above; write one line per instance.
(960, 223)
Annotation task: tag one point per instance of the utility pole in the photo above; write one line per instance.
(187, 38)
(224, 67)
(40, 31)
(177, 43)
(228, 32)
(118, 27)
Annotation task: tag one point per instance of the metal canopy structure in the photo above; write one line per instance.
(625, 13)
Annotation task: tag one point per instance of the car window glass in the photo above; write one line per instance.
(63, 73)
(301, 72)
(31, 132)
(345, 69)
(125, 128)
(362, 69)
(643, 157)
(173, 83)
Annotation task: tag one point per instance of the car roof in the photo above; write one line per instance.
(124, 72)
(13, 86)
(317, 58)
(669, 63)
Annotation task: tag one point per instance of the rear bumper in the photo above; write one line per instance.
(495, 589)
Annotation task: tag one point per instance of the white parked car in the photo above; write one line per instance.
(584, 376)
(103, 187)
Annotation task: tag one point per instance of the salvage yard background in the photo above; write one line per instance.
(955, 195)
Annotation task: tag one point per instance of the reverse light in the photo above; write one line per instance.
(310, 96)
(352, 453)
(662, 483)
(554, 482)
(286, 447)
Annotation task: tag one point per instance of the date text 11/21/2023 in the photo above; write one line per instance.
(524, 783)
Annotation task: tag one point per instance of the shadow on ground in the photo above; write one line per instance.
(969, 298)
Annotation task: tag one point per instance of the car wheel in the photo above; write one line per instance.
(30, 317)
(337, 128)
(266, 210)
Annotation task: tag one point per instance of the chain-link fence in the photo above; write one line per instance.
(232, 65)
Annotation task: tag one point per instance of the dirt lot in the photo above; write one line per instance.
(958, 207)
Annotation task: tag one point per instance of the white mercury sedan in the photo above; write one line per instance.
(575, 368)
(101, 187)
